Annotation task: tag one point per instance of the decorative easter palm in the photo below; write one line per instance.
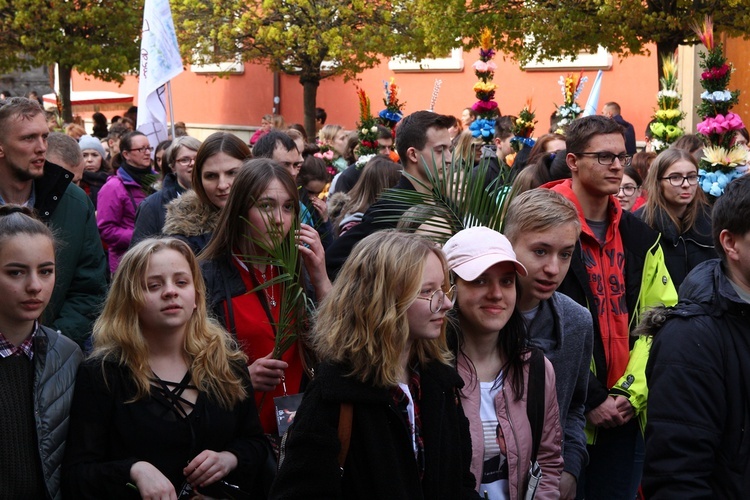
(571, 87)
(523, 128)
(721, 159)
(666, 126)
(367, 129)
(294, 304)
(455, 198)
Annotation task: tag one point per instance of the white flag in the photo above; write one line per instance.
(592, 103)
(160, 62)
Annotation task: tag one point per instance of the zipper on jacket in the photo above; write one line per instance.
(520, 486)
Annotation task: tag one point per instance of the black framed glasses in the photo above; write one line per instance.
(628, 190)
(144, 149)
(607, 158)
(437, 298)
(185, 161)
(677, 180)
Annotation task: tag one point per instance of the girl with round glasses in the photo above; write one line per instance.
(677, 208)
(385, 358)
(630, 193)
(493, 359)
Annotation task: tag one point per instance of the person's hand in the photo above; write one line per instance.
(606, 414)
(568, 485)
(624, 407)
(208, 467)
(151, 483)
(321, 207)
(267, 373)
(312, 253)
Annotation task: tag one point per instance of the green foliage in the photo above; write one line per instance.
(96, 37)
(545, 29)
(453, 198)
(298, 36)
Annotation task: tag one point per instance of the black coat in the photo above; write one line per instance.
(630, 145)
(151, 213)
(682, 252)
(380, 462)
(697, 444)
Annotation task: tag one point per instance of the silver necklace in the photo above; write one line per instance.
(269, 296)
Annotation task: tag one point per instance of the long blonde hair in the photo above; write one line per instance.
(118, 336)
(362, 322)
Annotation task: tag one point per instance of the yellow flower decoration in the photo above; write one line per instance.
(486, 39)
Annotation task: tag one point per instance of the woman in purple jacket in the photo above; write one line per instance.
(119, 198)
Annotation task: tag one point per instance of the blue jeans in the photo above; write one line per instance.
(615, 464)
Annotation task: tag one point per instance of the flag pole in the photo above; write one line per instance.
(171, 108)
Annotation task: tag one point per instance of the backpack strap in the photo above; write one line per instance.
(345, 432)
(535, 399)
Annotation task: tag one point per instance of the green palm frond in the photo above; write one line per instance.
(295, 306)
(455, 197)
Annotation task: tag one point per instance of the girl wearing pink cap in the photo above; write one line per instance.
(493, 359)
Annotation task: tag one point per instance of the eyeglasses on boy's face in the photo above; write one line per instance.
(606, 158)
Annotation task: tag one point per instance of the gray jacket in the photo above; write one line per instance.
(564, 330)
(56, 360)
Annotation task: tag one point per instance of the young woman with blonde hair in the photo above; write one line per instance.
(678, 209)
(164, 404)
(381, 334)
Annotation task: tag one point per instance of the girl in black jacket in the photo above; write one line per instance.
(381, 332)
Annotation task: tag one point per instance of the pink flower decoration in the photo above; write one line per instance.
(481, 107)
(720, 124)
(482, 66)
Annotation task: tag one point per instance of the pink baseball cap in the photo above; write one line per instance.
(472, 251)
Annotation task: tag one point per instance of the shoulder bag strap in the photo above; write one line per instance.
(345, 432)
(535, 399)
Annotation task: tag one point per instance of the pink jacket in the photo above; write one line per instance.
(517, 431)
(115, 214)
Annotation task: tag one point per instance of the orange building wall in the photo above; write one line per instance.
(243, 99)
(738, 51)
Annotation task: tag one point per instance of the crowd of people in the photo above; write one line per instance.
(280, 319)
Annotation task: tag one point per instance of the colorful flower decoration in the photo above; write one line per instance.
(367, 129)
(486, 108)
(523, 128)
(667, 117)
(571, 87)
(393, 112)
(722, 161)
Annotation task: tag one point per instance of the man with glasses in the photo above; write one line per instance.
(120, 196)
(617, 270)
(27, 179)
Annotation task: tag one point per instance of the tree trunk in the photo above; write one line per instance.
(67, 109)
(310, 94)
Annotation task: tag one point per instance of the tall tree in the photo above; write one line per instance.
(313, 39)
(547, 29)
(99, 38)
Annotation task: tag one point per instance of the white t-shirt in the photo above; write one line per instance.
(410, 411)
(494, 481)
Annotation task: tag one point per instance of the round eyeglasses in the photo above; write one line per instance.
(628, 190)
(185, 161)
(437, 298)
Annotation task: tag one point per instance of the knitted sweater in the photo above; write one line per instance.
(20, 467)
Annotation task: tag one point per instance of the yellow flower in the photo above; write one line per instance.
(669, 66)
(486, 39)
(484, 87)
(720, 156)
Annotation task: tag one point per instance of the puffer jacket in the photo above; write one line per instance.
(515, 425)
(191, 220)
(697, 444)
(117, 203)
(682, 252)
(56, 360)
